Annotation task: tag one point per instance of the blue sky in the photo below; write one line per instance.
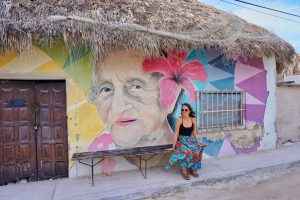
(287, 30)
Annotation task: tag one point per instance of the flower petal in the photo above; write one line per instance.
(167, 88)
(176, 59)
(193, 70)
(190, 89)
(160, 65)
(102, 142)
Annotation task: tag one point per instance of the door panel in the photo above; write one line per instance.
(17, 137)
(52, 130)
(26, 153)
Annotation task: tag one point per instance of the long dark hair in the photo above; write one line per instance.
(192, 112)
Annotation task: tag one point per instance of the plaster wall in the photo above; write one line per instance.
(288, 113)
(157, 90)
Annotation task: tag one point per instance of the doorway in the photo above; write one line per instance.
(33, 130)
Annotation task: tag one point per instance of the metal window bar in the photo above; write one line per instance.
(212, 107)
(217, 111)
(236, 107)
(202, 113)
(232, 109)
(218, 124)
(206, 111)
(227, 110)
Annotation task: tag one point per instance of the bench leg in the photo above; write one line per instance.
(92, 167)
(145, 161)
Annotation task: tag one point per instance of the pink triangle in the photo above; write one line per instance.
(257, 62)
(256, 86)
(226, 149)
(252, 100)
(243, 72)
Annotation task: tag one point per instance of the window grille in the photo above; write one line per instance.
(220, 110)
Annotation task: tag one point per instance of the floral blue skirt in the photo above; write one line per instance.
(186, 153)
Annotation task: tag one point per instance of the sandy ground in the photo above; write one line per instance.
(279, 185)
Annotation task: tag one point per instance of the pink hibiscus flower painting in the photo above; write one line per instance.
(176, 73)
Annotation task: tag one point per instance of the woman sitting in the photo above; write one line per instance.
(187, 150)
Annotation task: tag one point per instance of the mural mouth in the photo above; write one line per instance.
(125, 121)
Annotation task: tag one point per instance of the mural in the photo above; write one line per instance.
(134, 102)
(134, 97)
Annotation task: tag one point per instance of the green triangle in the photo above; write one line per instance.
(75, 54)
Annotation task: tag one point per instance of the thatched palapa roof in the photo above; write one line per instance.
(145, 26)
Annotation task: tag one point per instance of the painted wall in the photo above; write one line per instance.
(135, 102)
(288, 110)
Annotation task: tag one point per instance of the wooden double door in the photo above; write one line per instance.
(33, 130)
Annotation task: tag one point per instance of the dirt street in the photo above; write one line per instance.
(279, 185)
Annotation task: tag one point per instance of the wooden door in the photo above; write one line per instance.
(17, 136)
(52, 142)
(33, 130)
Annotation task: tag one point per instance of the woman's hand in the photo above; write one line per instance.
(201, 145)
(170, 149)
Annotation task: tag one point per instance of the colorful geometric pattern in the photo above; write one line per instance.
(220, 72)
(250, 76)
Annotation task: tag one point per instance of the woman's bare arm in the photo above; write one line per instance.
(195, 132)
(176, 133)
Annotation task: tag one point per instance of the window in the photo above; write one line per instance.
(220, 110)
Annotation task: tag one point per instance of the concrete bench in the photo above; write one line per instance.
(139, 152)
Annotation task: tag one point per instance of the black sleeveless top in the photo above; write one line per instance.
(186, 131)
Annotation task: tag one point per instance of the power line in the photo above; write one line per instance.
(260, 11)
(252, 4)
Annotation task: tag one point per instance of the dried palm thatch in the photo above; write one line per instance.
(145, 26)
(291, 69)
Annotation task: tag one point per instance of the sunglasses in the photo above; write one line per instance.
(185, 110)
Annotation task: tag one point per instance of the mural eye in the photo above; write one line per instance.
(135, 88)
(105, 90)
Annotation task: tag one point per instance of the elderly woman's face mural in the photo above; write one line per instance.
(128, 102)
(134, 96)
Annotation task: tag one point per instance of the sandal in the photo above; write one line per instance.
(185, 175)
(194, 173)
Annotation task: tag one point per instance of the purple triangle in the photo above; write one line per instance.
(256, 86)
(255, 113)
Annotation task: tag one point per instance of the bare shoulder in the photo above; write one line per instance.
(178, 119)
(194, 119)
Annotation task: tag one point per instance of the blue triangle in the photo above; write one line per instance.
(223, 64)
(224, 84)
(212, 147)
(196, 54)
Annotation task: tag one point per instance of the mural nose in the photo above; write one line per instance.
(118, 104)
